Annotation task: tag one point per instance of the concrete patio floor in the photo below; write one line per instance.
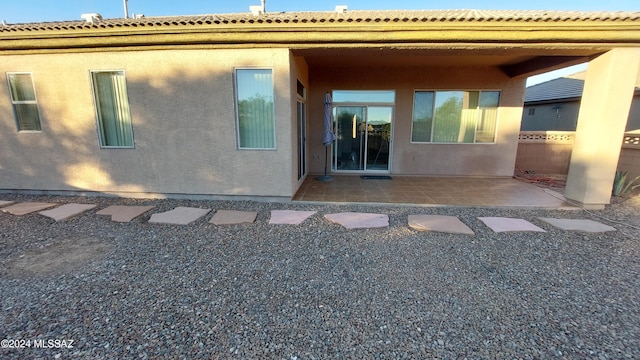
(432, 191)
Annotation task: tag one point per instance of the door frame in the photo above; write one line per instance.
(301, 136)
(366, 106)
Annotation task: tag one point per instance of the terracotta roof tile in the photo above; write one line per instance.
(351, 16)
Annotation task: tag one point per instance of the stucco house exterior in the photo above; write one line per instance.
(231, 105)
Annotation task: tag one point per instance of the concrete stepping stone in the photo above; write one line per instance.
(66, 211)
(5, 203)
(502, 224)
(439, 223)
(585, 225)
(179, 216)
(232, 217)
(124, 213)
(289, 217)
(352, 220)
(27, 207)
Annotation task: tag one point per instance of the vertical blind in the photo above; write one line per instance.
(422, 116)
(254, 90)
(112, 103)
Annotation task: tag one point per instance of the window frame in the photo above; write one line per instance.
(97, 112)
(435, 91)
(237, 110)
(23, 102)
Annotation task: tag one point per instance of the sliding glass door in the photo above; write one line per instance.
(363, 136)
(350, 137)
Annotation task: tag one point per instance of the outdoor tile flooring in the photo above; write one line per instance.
(436, 191)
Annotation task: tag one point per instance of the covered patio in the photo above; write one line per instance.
(432, 191)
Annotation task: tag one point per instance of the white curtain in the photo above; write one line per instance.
(486, 131)
(114, 116)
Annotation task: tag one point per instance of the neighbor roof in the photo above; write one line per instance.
(561, 89)
(357, 16)
(556, 89)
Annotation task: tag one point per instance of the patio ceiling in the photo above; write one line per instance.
(514, 62)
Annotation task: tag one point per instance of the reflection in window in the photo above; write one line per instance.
(455, 116)
(255, 110)
(23, 99)
(364, 96)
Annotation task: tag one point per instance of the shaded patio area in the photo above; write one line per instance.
(431, 191)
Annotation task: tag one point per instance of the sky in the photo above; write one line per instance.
(24, 11)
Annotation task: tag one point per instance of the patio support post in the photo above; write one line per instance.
(604, 109)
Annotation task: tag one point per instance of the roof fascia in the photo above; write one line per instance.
(552, 101)
(562, 35)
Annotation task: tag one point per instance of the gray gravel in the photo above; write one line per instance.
(318, 291)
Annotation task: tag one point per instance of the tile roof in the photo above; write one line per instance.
(556, 89)
(332, 17)
(564, 88)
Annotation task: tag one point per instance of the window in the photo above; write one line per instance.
(23, 98)
(455, 116)
(255, 110)
(364, 96)
(112, 108)
(532, 111)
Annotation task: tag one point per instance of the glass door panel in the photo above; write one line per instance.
(363, 135)
(351, 136)
(378, 137)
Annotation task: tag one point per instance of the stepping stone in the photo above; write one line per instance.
(66, 211)
(27, 207)
(230, 217)
(179, 216)
(124, 213)
(351, 220)
(290, 217)
(502, 224)
(5, 203)
(585, 225)
(440, 223)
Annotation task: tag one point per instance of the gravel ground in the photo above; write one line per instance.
(318, 291)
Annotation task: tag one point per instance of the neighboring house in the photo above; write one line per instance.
(553, 105)
(231, 105)
(549, 121)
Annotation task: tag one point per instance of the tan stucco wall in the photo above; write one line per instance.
(630, 161)
(182, 106)
(544, 152)
(426, 159)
